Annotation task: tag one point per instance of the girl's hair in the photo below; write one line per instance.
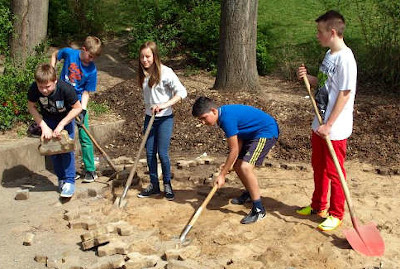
(155, 75)
(45, 73)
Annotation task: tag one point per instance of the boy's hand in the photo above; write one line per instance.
(301, 72)
(323, 130)
(57, 131)
(220, 180)
(81, 117)
(47, 133)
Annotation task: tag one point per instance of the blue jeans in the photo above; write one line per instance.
(63, 164)
(158, 142)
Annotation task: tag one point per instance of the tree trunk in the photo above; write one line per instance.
(237, 67)
(30, 27)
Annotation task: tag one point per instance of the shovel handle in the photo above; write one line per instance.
(133, 170)
(198, 213)
(97, 145)
(334, 156)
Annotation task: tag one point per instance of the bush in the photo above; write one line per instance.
(6, 26)
(14, 85)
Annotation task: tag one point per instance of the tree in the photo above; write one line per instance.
(30, 26)
(237, 68)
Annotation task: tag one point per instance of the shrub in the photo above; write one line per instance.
(14, 84)
(6, 26)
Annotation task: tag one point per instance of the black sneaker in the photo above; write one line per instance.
(90, 176)
(254, 215)
(168, 192)
(242, 199)
(150, 190)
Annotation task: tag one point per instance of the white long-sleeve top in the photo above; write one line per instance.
(168, 87)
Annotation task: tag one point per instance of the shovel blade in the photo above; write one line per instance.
(366, 240)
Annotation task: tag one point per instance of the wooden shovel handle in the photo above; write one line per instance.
(97, 145)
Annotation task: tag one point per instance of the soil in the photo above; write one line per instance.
(282, 240)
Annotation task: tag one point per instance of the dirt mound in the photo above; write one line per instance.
(375, 139)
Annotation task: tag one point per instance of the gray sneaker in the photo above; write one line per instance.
(90, 176)
(255, 215)
(168, 192)
(149, 191)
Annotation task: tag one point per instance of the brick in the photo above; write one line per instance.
(90, 225)
(75, 224)
(88, 244)
(186, 253)
(124, 230)
(175, 264)
(106, 250)
(40, 258)
(28, 239)
(102, 239)
(138, 260)
(87, 236)
(116, 261)
(22, 194)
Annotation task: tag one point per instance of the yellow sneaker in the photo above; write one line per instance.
(307, 211)
(330, 224)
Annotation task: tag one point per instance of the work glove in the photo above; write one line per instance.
(81, 117)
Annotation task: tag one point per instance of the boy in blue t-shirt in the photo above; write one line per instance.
(251, 133)
(80, 71)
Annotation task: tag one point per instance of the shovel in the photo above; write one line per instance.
(98, 147)
(365, 239)
(133, 170)
(182, 238)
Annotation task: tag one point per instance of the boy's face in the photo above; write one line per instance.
(146, 58)
(86, 56)
(47, 88)
(209, 118)
(324, 35)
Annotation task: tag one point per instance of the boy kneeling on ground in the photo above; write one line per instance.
(251, 133)
(59, 105)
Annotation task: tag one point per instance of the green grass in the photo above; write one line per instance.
(291, 30)
(98, 108)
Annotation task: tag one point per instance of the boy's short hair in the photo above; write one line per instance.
(45, 73)
(93, 45)
(202, 105)
(334, 20)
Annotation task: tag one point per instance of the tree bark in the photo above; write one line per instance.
(30, 27)
(237, 67)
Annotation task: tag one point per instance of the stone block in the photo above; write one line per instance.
(175, 264)
(40, 258)
(124, 230)
(28, 239)
(106, 250)
(75, 224)
(186, 253)
(22, 194)
(88, 244)
(138, 260)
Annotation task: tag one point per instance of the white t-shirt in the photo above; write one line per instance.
(168, 87)
(338, 72)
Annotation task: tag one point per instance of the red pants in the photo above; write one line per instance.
(325, 172)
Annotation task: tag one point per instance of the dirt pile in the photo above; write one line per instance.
(375, 139)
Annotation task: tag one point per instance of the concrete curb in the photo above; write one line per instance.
(20, 157)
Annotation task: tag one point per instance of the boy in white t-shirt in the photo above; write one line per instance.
(335, 92)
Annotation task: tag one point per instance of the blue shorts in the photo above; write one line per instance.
(254, 151)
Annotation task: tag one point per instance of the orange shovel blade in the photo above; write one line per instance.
(366, 239)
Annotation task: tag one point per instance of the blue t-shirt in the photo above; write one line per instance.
(246, 122)
(82, 77)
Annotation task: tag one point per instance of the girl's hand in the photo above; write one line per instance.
(157, 108)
